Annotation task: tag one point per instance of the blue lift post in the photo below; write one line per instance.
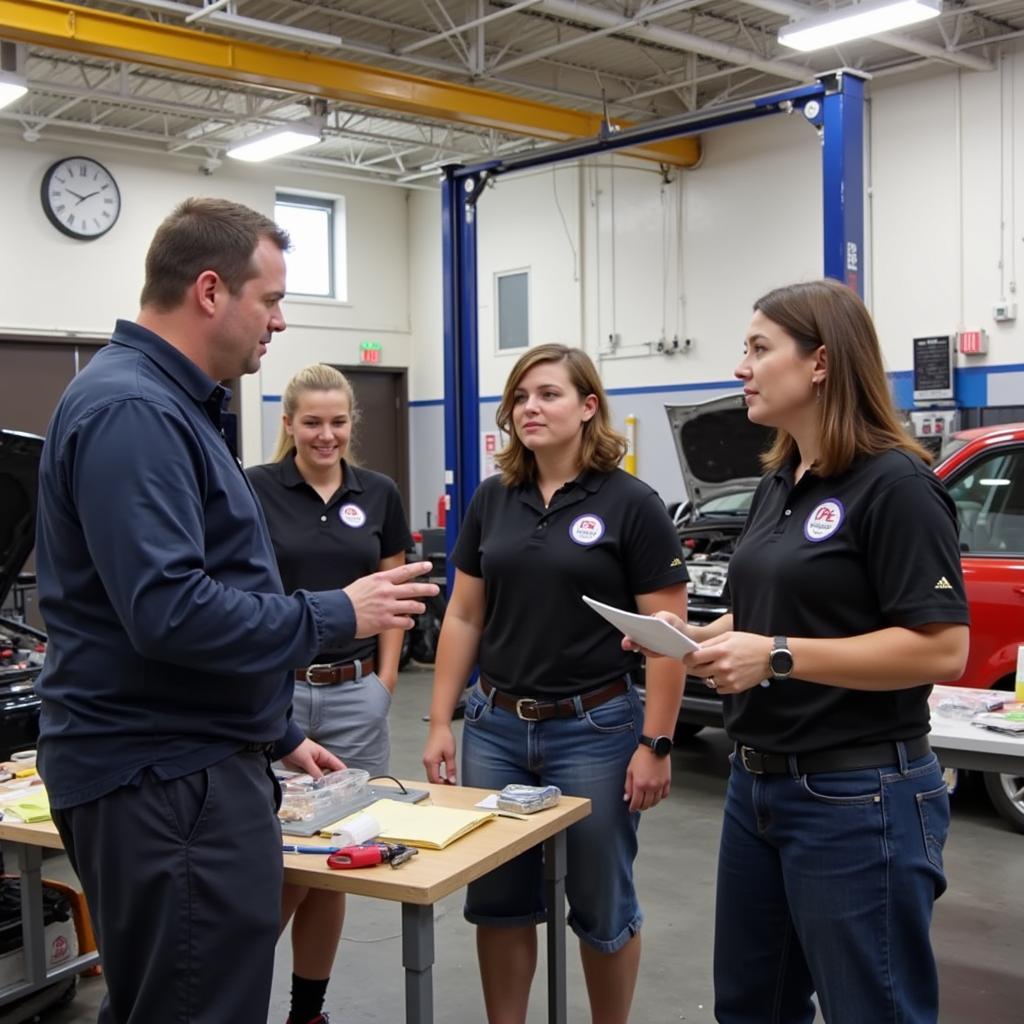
(834, 105)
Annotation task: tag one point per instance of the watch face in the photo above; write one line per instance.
(661, 745)
(80, 197)
(781, 662)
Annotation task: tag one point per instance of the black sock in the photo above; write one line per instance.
(307, 998)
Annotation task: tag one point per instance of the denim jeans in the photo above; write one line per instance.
(826, 884)
(584, 756)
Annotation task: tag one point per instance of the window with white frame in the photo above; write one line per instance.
(512, 300)
(316, 260)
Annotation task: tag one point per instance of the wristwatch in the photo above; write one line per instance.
(661, 745)
(780, 661)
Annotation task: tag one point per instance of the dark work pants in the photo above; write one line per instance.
(183, 881)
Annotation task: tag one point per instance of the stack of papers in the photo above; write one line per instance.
(1011, 722)
(28, 807)
(432, 828)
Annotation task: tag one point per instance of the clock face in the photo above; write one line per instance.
(80, 197)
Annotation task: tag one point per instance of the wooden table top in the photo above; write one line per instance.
(427, 877)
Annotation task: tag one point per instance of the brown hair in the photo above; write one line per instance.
(204, 234)
(602, 447)
(857, 416)
(318, 377)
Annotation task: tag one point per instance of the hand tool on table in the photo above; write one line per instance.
(368, 855)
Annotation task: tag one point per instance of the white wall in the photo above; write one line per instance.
(54, 285)
(612, 250)
(945, 241)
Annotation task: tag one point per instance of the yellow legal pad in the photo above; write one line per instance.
(29, 806)
(431, 827)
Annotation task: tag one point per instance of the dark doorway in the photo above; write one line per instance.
(382, 434)
(33, 376)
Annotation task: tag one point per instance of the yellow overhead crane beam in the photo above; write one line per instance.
(97, 33)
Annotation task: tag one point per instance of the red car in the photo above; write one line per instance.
(984, 471)
(718, 452)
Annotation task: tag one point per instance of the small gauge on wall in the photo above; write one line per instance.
(80, 197)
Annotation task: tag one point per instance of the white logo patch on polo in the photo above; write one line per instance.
(824, 520)
(352, 515)
(587, 529)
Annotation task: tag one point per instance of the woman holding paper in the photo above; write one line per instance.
(331, 523)
(847, 601)
(555, 704)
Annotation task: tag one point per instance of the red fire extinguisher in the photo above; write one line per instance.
(442, 510)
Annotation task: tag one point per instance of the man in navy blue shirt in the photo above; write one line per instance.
(167, 687)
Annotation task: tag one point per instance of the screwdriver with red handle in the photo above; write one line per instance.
(370, 854)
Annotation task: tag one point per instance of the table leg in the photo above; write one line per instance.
(30, 860)
(554, 895)
(418, 961)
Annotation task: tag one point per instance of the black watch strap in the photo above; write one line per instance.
(661, 745)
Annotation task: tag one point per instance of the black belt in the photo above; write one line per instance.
(259, 748)
(841, 759)
(328, 675)
(532, 710)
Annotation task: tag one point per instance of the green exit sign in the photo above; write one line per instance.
(370, 352)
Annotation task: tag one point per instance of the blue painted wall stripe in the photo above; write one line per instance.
(971, 386)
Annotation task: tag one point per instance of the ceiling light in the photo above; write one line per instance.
(12, 87)
(856, 21)
(277, 142)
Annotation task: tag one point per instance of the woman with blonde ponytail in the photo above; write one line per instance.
(331, 523)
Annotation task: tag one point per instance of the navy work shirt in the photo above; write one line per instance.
(321, 544)
(872, 547)
(606, 535)
(169, 633)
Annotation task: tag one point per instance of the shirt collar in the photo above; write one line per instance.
(291, 477)
(174, 363)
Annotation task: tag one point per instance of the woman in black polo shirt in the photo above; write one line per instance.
(331, 523)
(555, 703)
(847, 601)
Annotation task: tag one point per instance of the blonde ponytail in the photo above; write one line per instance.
(318, 377)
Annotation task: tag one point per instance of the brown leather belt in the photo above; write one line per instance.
(841, 759)
(328, 675)
(531, 710)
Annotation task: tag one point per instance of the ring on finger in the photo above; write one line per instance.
(710, 683)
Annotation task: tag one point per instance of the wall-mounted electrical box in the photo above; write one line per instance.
(972, 343)
(1003, 311)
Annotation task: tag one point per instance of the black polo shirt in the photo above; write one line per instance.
(840, 556)
(606, 535)
(320, 546)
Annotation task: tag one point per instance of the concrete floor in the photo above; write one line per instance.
(978, 931)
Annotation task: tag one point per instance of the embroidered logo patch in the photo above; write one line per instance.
(587, 529)
(943, 584)
(824, 520)
(352, 515)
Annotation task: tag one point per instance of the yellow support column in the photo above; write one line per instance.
(629, 463)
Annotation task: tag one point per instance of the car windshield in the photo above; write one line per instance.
(737, 504)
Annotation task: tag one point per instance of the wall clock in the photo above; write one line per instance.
(80, 197)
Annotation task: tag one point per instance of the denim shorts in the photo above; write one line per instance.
(585, 756)
(349, 719)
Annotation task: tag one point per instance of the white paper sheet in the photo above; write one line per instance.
(654, 634)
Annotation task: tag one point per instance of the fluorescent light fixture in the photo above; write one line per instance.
(856, 21)
(277, 142)
(12, 87)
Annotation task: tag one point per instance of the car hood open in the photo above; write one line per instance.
(719, 449)
(19, 485)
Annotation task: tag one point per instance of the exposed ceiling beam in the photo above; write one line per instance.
(645, 15)
(687, 42)
(476, 22)
(106, 34)
(900, 40)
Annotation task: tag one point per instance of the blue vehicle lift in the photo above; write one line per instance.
(834, 105)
